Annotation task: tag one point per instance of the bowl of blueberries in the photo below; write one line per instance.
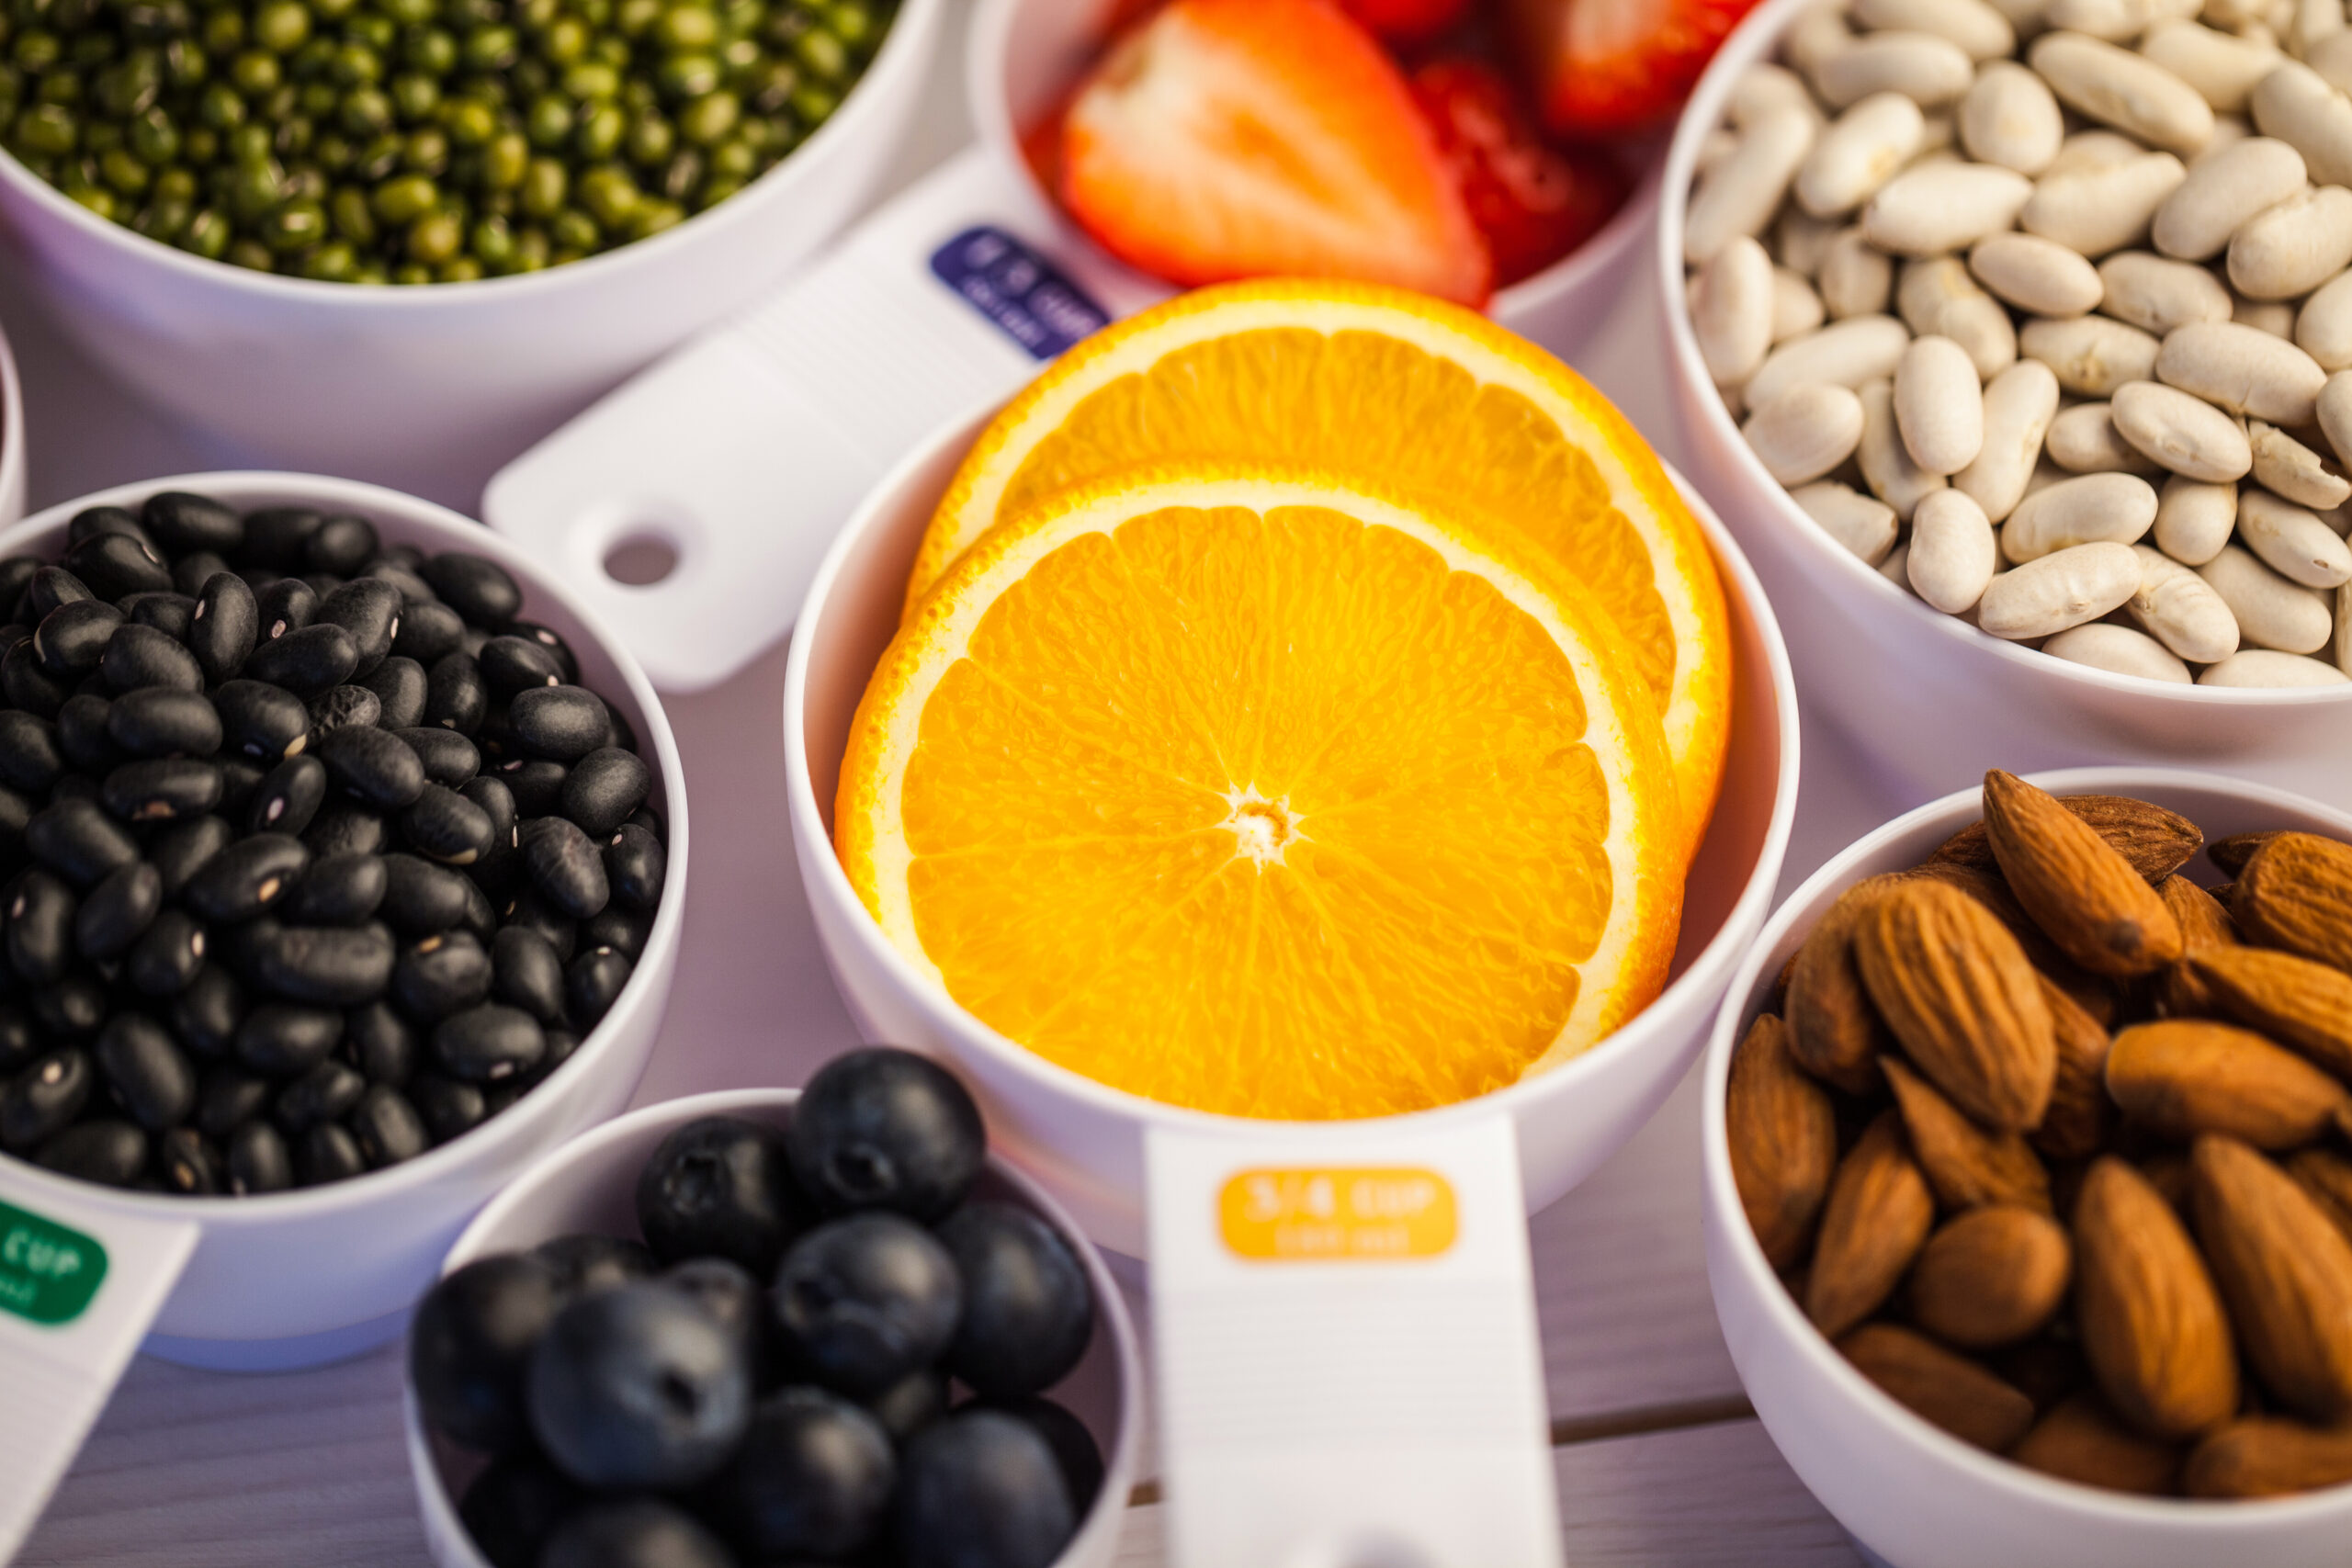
(344, 861)
(773, 1327)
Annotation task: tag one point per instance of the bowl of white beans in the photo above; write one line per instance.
(2014, 340)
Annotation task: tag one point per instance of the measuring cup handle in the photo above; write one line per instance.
(739, 456)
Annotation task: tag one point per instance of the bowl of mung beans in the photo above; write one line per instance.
(392, 237)
(2003, 344)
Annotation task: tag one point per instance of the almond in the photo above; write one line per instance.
(2263, 1456)
(1956, 989)
(2079, 889)
(2296, 893)
(2081, 1440)
(2181, 1076)
(1965, 1165)
(2075, 1125)
(2303, 1004)
(2284, 1270)
(1783, 1140)
(1947, 1391)
(2203, 924)
(1834, 1032)
(2229, 855)
(1871, 1227)
(2326, 1176)
(1991, 1277)
(2157, 842)
(2151, 1322)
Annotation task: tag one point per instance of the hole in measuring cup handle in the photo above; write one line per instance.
(1373, 1549)
(634, 543)
(640, 559)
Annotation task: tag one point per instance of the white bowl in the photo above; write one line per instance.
(1911, 1492)
(294, 1279)
(12, 438)
(589, 1186)
(1084, 1139)
(399, 384)
(1928, 696)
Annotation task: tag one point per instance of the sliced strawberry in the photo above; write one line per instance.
(1406, 23)
(1230, 138)
(1604, 67)
(1533, 202)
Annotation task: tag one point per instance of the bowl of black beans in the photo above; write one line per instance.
(347, 233)
(770, 1327)
(345, 864)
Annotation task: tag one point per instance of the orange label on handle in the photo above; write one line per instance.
(1338, 1216)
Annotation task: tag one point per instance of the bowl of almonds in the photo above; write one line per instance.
(2014, 339)
(2029, 1176)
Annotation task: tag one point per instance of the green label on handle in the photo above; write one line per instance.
(48, 1272)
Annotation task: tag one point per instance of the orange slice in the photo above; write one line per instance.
(1404, 390)
(1267, 793)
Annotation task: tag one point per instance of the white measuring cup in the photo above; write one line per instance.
(736, 458)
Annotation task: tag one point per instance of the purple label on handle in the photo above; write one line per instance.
(1025, 295)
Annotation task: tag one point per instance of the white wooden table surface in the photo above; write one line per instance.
(1657, 1457)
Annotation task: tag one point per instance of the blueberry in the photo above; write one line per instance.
(585, 1264)
(812, 1479)
(886, 1128)
(638, 1533)
(1074, 1447)
(736, 1300)
(866, 1300)
(639, 1386)
(981, 1490)
(472, 1343)
(912, 1404)
(720, 1187)
(1028, 1311)
(513, 1506)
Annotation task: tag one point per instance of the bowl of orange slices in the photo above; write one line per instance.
(1307, 702)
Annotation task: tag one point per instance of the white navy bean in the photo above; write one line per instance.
(2010, 118)
(2055, 591)
(2087, 509)
(2316, 21)
(2291, 542)
(1820, 32)
(2288, 250)
(2323, 325)
(2187, 435)
(2019, 404)
(1719, 144)
(2088, 151)
(2222, 67)
(1886, 464)
(2157, 295)
(1764, 87)
(1860, 152)
(1731, 311)
(2195, 519)
(2090, 354)
(1843, 354)
(2182, 610)
(1863, 524)
(2271, 611)
(2339, 646)
(1939, 405)
(2118, 650)
(2335, 413)
(2273, 316)
(1980, 32)
(1954, 551)
(2242, 369)
(2114, 19)
(1925, 69)
(2114, 86)
(2332, 58)
(2296, 104)
(1938, 295)
(1741, 193)
(2222, 193)
(2094, 212)
(2038, 277)
(1857, 278)
(2083, 440)
(1934, 208)
(1800, 239)
(1796, 308)
(1805, 432)
(2267, 667)
(2292, 471)
(1896, 567)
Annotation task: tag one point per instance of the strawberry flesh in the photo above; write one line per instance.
(1533, 202)
(1609, 67)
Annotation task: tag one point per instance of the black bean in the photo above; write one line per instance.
(537, 784)
(564, 723)
(103, 519)
(42, 1100)
(455, 695)
(165, 960)
(16, 575)
(50, 587)
(603, 788)
(82, 732)
(497, 1098)
(206, 1015)
(501, 875)
(449, 757)
(73, 787)
(31, 759)
(180, 521)
(497, 803)
(486, 1043)
(342, 543)
(119, 912)
(399, 684)
(163, 789)
(279, 537)
(227, 1096)
(115, 564)
(287, 797)
(388, 1128)
(226, 626)
(336, 967)
(447, 1107)
(370, 609)
(635, 865)
(151, 1080)
(561, 1044)
(141, 656)
(241, 946)
(246, 878)
(338, 890)
(71, 638)
(171, 614)
(305, 663)
(447, 827)
(413, 589)
(347, 827)
(72, 1006)
(546, 637)
(111, 1152)
(79, 841)
(565, 866)
(440, 976)
(528, 974)
(375, 766)
(428, 633)
(344, 705)
(286, 606)
(592, 982)
(258, 1160)
(281, 1040)
(188, 1163)
(191, 573)
(323, 1094)
(382, 1043)
(420, 898)
(475, 586)
(26, 686)
(622, 931)
(19, 1040)
(156, 721)
(327, 1152)
(182, 849)
(534, 913)
(261, 721)
(512, 664)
